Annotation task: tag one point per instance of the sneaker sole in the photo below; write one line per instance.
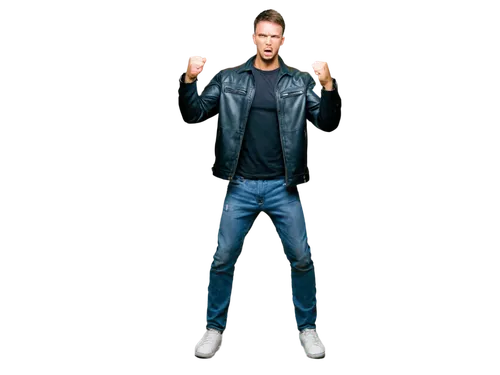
(325, 356)
(206, 356)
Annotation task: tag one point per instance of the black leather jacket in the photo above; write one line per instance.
(230, 94)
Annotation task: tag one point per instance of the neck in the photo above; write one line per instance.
(261, 64)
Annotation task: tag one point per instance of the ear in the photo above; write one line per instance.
(284, 41)
(253, 37)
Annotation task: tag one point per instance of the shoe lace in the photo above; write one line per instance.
(311, 336)
(209, 337)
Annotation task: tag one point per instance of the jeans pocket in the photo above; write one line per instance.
(237, 180)
(292, 194)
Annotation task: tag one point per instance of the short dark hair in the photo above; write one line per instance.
(272, 16)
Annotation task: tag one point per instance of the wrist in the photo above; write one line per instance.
(329, 85)
(188, 79)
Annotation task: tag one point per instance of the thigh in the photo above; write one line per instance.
(289, 219)
(238, 214)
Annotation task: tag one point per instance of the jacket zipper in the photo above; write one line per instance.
(291, 93)
(279, 128)
(235, 91)
(216, 148)
(252, 90)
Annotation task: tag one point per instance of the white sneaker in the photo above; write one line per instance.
(209, 344)
(313, 346)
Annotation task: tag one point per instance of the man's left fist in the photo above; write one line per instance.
(323, 73)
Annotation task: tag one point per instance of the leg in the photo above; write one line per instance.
(285, 210)
(239, 212)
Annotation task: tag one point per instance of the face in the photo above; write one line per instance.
(268, 38)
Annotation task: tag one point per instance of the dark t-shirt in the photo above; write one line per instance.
(261, 156)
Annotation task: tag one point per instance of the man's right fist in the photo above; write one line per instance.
(195, 66)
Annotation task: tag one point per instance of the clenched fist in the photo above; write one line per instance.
(323, 74)
(195, 66)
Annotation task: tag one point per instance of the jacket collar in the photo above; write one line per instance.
(248, 66)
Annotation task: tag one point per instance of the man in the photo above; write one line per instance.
(261, 148)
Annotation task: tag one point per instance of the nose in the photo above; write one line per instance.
(268, 39)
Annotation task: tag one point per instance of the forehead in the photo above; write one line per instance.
(266, 27)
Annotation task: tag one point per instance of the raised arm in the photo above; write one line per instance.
(197, 108)
(323, 112)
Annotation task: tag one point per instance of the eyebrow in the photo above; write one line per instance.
(268, 35)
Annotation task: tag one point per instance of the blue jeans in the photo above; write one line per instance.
(245, 199)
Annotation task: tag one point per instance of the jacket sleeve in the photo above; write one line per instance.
(323, 112)
(197, 108)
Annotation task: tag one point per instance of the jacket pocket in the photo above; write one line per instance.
(236, 91)
(289, 94)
